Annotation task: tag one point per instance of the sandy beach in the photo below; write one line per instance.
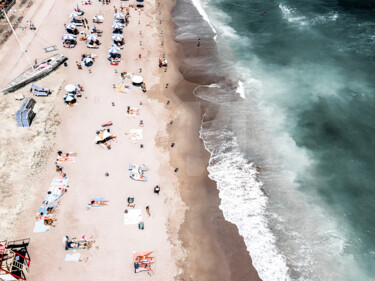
(186, 230)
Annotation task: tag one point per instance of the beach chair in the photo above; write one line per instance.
(37, 91)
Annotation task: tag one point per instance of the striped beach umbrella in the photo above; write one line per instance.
(92, 37)
(68, 37)
(119, 16)
(117, 25)
(73, 14)
(117, 37)
(70, 26)
(113, 50)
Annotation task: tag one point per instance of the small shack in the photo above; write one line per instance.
(14, 259)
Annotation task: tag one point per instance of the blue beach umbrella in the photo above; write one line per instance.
(117, 37)
(117, 25)
(73, 14)
(119, 16)
(70, 26)
(92, 37)
(113, 50)
(68, 37)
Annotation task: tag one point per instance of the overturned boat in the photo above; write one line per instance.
(36, 72)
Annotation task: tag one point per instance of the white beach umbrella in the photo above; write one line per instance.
(92, 37)
(73, 14)
(117, 25)
(70, 26)
(68, 37)
(104, 134)
(117, 37)
(70, 88)
(69, 97)
(136, 79)
(119, 16)
(113, 50)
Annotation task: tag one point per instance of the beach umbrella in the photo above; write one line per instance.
(104, 134)
(117, 25)
(92, 37)
(119, 16)
(137, 80)
(117, 37)
(69, 97)
(73, 14)
(70, 26)
(68, 37)
(140, 6)
(113, 50)
(70, 88)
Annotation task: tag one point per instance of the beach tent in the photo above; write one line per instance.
(137, 80)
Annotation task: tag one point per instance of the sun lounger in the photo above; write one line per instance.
(50, 49)
(37, 91)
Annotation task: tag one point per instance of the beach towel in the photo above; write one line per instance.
(98, 199)
(135, 134)
(43, 209)
(133, 112)
(133, 216)
(73, 257)
(59, 182)
(65, 159)
(41, 227)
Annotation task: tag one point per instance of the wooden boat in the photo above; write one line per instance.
(36, 72)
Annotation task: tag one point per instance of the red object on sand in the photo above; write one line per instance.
(109, 123)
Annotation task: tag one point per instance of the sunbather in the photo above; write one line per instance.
(49, 222)
(145, 257)
(73, 245)
(100, 203)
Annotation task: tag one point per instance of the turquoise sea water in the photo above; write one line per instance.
(307, 121)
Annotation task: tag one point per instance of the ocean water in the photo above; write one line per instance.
(290, 125)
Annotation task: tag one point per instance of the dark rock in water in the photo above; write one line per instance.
(364, 4)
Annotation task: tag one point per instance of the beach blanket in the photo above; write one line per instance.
(135, 134)
(132, 216)
(43, 209)
(137, 172)
(41, 227)
(73, 257)
(123, 87)
(55, 191)
(133, 112)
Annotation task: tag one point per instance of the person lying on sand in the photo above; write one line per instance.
(66, 154)
(49, 222)
(100, 203)
(145, 257)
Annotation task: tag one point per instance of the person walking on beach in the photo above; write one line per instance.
(157, 190)
(114, 7)
(148, 210)
(79, 65)
(199, 43)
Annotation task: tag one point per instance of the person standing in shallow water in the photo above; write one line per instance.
(199, 42)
